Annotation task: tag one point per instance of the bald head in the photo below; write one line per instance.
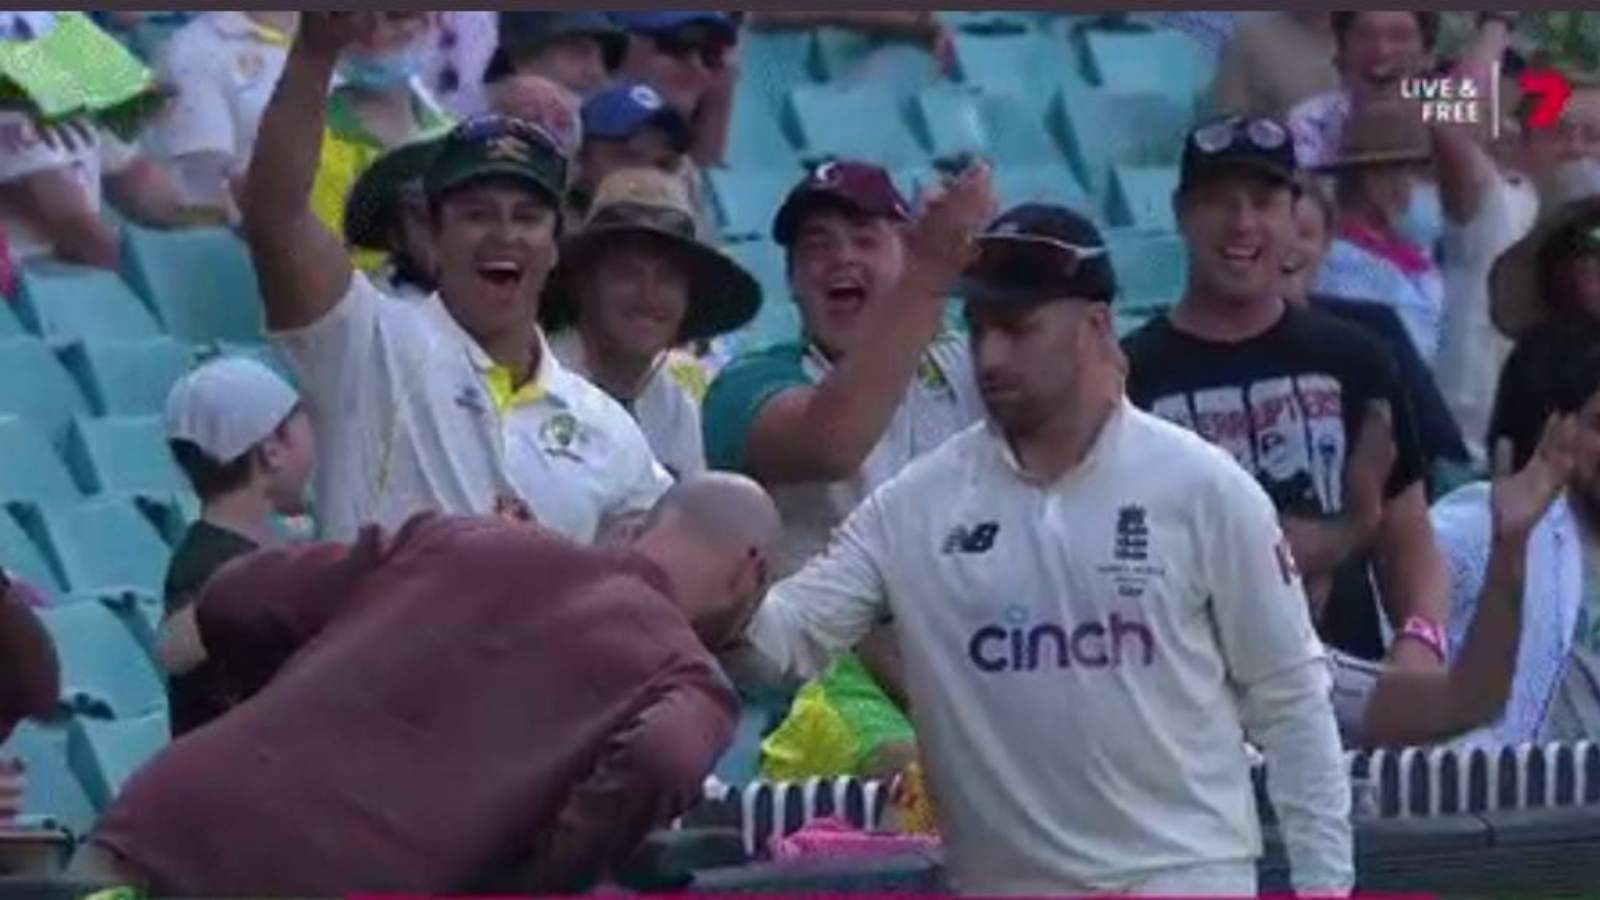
(711, 534)
(722, 507)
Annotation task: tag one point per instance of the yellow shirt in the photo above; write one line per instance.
(347, 150)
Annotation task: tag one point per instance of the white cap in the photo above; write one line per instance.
(228, 406)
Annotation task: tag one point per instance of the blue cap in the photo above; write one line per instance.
(621, 110)
(663, 21)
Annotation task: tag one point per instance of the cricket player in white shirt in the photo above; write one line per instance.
(1096, 608)
(456, 402)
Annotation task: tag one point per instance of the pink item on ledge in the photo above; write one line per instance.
(836, 839)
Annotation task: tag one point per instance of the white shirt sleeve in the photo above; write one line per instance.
(1276, 661)
(333, 357)
(830, 604)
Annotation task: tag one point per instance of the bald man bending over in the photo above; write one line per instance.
(468, 701)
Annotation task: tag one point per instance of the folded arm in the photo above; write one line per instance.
(650, 771)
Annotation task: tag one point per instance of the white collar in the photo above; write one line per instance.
(1104, 446)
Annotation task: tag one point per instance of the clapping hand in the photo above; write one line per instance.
(1520, 499)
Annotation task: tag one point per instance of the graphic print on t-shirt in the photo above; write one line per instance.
(1289, 432)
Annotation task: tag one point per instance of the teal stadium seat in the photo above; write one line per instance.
(773, 63)
(864, 122)
(24, 559)
(105, 673)
(106, 752)
(1141, 197)
(35, 387)
(747, 199)
(30, 470)
(1161, 61)
(9, 326)
(847, 56)
(959, 119)
(200, 282)
(988, 20)
(1152, 268)
(1042, 184)
(756, 139)
(1099, 128)
(128, 378)
(66, 302)
(172, 515)
(54, 789)
(1023, 63)
(123, 456)
(779, 319)
(104, 547)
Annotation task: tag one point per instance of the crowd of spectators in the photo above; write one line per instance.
(1347, 482)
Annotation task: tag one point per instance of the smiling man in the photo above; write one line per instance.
(1296, 396)
(454, 403)
(633, 284)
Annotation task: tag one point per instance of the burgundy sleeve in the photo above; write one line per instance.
(30, 674)
(652, 770)
(260, 609)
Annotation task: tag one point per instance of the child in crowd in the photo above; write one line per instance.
(241, 435)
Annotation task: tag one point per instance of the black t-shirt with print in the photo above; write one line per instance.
(1288, 404)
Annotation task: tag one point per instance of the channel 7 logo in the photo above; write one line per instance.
(1545, 93)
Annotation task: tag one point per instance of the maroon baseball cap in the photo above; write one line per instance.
(855, 186)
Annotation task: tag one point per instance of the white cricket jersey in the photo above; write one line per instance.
(406, 421)
(666, 412)
(1075, 653)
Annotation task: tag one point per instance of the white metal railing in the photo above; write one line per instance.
(1409, 783)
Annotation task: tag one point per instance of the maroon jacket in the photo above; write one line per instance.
(468, 700)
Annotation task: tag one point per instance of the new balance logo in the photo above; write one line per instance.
(1133, 535)
(977, 539)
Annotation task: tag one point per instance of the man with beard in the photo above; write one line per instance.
(1077, 575)
(455, 402)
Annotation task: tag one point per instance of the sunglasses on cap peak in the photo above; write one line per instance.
(1263, 134)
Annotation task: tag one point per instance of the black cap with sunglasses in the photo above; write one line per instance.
(1039, 252)
(1234, 144)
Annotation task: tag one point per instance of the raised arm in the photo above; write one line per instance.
(1410, 708)
(824, 432)
(304, 268)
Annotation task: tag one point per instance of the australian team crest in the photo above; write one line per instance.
(560, 435)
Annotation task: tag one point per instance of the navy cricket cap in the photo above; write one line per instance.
(1038, 252)
(1234, 144)
(622, 110)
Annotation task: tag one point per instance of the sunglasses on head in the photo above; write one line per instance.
(1263, 134)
